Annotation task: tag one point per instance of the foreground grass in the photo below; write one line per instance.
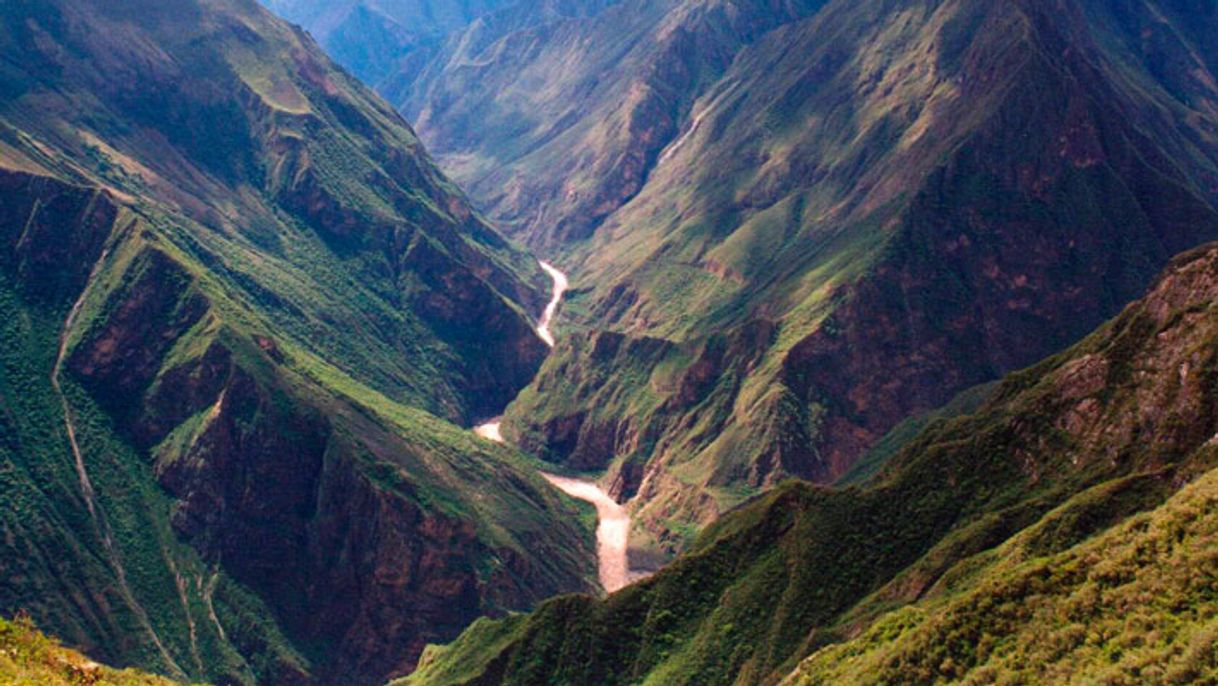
(28, 657)
(1135, 605)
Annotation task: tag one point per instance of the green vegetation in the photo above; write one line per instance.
(276, 318)
(462, 661)
(28, 658)
(874, 460)
(161, 609)
(994, 523)
(867, 201)
(1133, 605)
(246, 320)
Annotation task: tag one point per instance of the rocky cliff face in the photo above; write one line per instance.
(314, 507)
(1001, 526)
(242, 315)
(48, 225)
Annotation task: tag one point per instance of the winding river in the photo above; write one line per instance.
(560, 286)
(613, 527)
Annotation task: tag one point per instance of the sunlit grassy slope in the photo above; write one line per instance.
(869, 209)
(29, 658)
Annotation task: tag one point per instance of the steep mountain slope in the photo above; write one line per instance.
(241, 313)
(1150, 578)
(873, 207)
(969, 516)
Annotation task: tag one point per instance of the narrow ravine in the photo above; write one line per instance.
(613, 520)
(82, 474)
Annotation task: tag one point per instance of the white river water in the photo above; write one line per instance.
(547, 317)
(613, 527)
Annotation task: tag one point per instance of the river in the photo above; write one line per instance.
(547, 317)
(613, 520)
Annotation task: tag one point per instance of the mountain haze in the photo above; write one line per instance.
(878, 341)
(380, 40)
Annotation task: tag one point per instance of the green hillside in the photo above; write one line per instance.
(910, 571)
(1133, 605)
(245, 322)
(29, 657)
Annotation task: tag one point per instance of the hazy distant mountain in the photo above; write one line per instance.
(377, 38)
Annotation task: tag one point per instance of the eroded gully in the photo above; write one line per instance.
(613, 520)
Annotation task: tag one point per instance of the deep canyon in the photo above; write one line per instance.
(889, 346)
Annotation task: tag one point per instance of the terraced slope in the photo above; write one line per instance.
(1026, 516)
(244, 319)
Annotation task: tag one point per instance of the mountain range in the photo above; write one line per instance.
(1061, 532)
(891, 324)
(791, 226)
